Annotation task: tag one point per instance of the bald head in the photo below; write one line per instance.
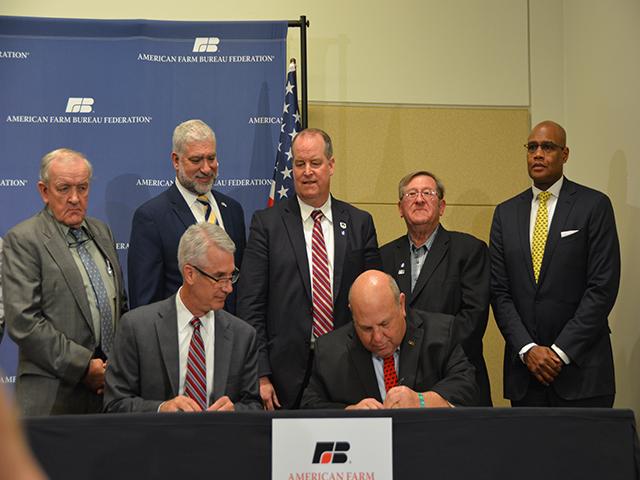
(553, 129)
(377, 307)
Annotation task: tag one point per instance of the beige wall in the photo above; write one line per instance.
(449, 86)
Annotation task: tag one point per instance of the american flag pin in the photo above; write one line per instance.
(343, 225)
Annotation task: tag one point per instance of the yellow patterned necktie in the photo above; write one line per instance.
(209, 215)
(540, 233)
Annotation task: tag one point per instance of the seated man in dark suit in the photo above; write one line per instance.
(387, 358)
(185, 353)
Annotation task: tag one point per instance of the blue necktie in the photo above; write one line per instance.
(106, 317)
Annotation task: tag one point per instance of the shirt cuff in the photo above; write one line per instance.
(563, 356)
(525, 349)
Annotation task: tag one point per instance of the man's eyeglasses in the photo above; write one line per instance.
(547, 147)
(233, 278)
(426, 194)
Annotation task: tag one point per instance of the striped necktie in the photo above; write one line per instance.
(195, 384)
(320, 280)
(209, 215)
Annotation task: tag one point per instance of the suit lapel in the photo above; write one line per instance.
(59, 251)
(410, 352)
(293, 223)
(222, 353)
(340, 233)
(362, 362)
(229, 226)
(402, 265)
(564, 206)
(166, 325)
(436, 253)
(523, 217)
(180, 207)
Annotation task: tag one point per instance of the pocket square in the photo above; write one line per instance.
(566, 233)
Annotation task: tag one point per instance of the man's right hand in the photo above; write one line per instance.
(366, 404)
(268, 394)
(94, 378)
(543, 363)
(180, 403)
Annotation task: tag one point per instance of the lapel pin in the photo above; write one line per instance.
(401, 271)
(343, 233)
(343, 225)
(223, 204)
(411, 343)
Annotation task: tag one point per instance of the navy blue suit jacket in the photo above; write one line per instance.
(576, 289)
(274, 291)
(156, 229)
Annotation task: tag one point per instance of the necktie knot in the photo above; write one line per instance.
(195, 323)
(203, 199)
(317, 215)
(544, 196)
(78, 234)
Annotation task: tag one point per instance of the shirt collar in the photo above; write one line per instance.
(426, 244)
(185, 316)
(554, 189)
(188, 196)
(305, 210)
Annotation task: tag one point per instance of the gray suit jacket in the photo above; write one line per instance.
(48, 315)
(144, 367)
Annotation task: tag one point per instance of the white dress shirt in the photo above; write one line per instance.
(196, 207)
(185, 331)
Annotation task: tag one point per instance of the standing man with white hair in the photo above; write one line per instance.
(63, 293)
(159, 223)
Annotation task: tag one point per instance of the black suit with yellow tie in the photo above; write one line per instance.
(569, 304)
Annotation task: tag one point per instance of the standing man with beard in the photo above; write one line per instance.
(159, 223)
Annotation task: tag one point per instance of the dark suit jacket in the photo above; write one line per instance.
(48, 315)
(454, 280)
(577, 288)
(156, 229)
(430, 359)
(274, 291)
(145, 367)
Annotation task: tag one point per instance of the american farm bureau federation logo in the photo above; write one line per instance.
(206, 44)
(79, 105)
(331, 452)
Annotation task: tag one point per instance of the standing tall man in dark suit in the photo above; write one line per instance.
(389, 356)
(185, 353)
(159, 223)
(441, 271)
(302, 256)
(555, 272)
(63, 294)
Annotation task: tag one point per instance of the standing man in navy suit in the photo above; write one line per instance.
(281, 290)
(159, 223)
(555, 272)
(441, 271)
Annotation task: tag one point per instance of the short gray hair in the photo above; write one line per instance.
(328, 144)
(197, 240)
(404, 181)
(191, 131)
(60, 154)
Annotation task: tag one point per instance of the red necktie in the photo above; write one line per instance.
(321, 285)
(390, 376)
(195, 384)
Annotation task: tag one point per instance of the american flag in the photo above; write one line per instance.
(282, 183)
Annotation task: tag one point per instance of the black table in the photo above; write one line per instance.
(471, 443)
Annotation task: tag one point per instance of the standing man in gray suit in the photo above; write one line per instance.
(63, 293)
(185, 353)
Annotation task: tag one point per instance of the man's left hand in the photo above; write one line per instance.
(223, 404)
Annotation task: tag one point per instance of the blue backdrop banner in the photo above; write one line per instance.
(115, 90)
